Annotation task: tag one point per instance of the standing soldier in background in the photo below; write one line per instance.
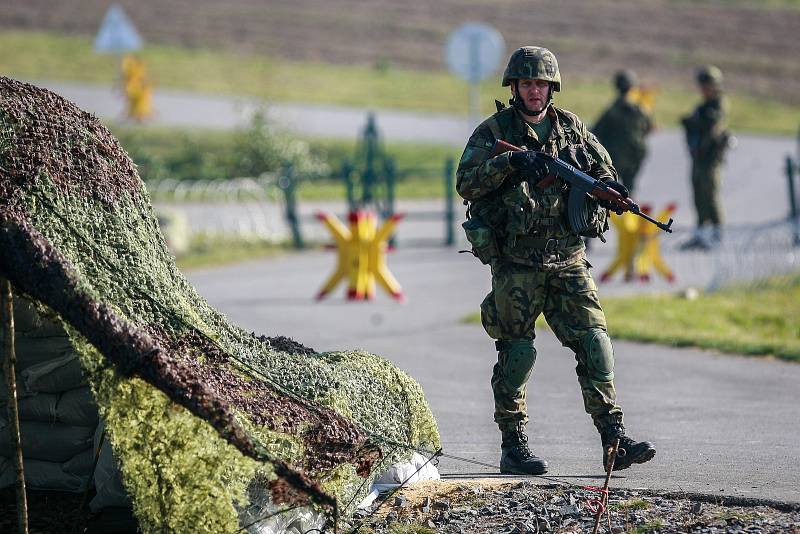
(707, 138)
(622, 129)
(538, 263)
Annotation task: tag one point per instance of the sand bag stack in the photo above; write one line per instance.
(58, 417)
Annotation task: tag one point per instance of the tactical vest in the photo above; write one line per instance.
(523, 216)
(708, 141)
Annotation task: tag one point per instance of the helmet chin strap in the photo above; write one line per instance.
(518, 103)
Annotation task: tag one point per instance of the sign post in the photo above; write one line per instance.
(473, 52)
(117, 35)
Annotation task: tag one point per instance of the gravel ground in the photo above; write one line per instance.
(514, 506)
(500, 505)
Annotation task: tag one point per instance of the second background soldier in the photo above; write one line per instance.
(623, 129)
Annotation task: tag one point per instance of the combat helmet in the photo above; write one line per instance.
(535, 63)
(624, 80)
(709, 75)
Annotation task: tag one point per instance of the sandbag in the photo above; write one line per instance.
(21, 391)
(51, 442)
(36, 358)
(107, 478)
(54, 476)
(37, 350)
(40, 407)
(32, 324)
(55, 376)
(81, 464)
(75, 407)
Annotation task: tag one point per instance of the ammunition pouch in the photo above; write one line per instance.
(482, 238)
(596, 217)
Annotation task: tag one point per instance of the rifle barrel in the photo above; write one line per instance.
(665, 227)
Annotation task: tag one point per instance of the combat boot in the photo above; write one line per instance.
(516, 457)
(630, 451)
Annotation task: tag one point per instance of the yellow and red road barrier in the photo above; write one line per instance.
(361, 255)
(638, 247)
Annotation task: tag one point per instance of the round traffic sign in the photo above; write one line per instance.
(474, 51)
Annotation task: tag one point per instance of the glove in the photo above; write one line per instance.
(619, 188)
(526, 161)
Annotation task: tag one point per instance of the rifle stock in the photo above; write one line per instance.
(581, 184)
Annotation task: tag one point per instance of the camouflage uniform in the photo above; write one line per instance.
(538, 264)
(622, 129)
(707, 139)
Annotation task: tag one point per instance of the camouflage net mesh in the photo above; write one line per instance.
(199, 412)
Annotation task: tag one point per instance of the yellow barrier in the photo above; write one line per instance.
(645, 96)
(638, 248)
(650, 251)
(138, 89)
(361, 255)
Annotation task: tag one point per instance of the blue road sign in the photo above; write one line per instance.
(117, 33)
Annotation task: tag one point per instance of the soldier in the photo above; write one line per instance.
(622, 129)
(707, 138)
(538, 264)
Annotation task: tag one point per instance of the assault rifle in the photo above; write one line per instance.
(581, 184)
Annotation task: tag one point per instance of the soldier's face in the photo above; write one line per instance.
(708, 90)
(534, 93)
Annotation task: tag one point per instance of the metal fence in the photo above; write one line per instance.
(248, 208)
(750, 254)
(251, 208)
(747, 255)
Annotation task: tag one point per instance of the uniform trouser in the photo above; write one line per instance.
(568, 300)
(706, 180)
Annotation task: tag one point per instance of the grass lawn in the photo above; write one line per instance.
(205, 252)
(41, 55)
(420, 166)
(763, 320)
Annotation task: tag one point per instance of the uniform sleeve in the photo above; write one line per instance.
(704, 127)
(478, 173)
(709, 117)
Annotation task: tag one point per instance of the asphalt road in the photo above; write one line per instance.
(722, 424)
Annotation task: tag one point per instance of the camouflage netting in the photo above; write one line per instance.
(200, 413)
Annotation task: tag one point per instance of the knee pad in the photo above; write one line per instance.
(599, 354)
(519, 360)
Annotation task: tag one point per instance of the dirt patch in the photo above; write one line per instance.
(662, 39)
